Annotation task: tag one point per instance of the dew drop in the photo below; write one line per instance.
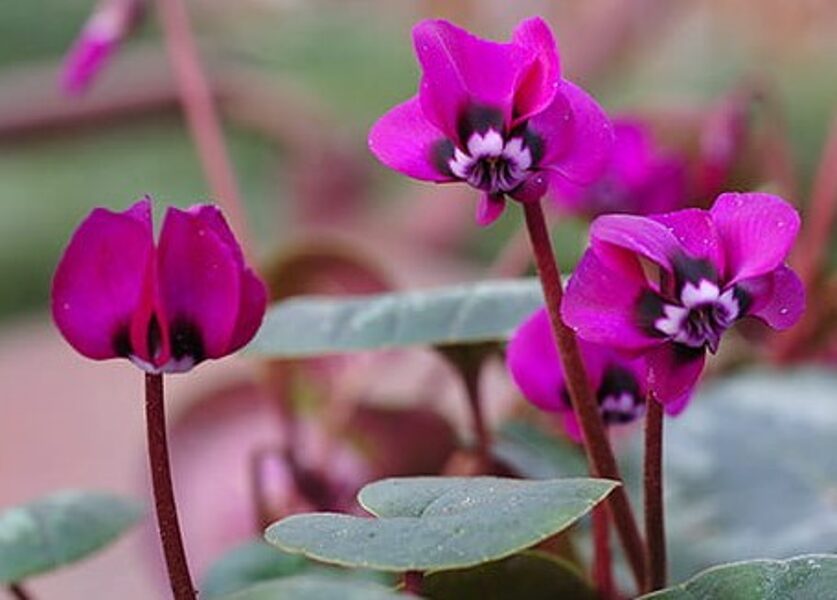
(783, 311)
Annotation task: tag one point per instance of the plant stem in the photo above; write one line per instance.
(201, 116)
(413, 581)
(18, 592)
(158, 457)
(655, 577)
(602, 562)
(600, 456)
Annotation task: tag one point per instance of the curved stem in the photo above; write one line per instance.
(18, 592)
(201, 116)
(599, 453)
(167, 521)
(655, 577)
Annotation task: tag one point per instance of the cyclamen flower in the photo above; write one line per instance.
(497, 116)
(641, 178)
(165, 307)
(110, 23)
(618, 381)
(668, 286)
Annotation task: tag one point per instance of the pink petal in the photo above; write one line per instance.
(600, 304)
(460, 70)
(251, 309)
(582, 155)
(673, 372)
(532, 359)
(539, 81)
(99, 281)
(404, 140)
(637, 235)
(489, 209)
(778, 298)
(695, 231)
(757, 231)
(200, 275)
(84, 61)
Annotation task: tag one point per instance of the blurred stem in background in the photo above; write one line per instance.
(201, 116)
(17, 592)
(600, 456)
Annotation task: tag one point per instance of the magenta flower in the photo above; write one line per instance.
(165, 307)
(670, 285)
(110, 23)
(497, 116)
(641, 178)
(619, 382)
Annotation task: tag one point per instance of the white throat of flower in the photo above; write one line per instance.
(704, 315)
(491, 163)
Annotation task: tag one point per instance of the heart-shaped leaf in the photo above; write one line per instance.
(530, 575)
(812, 577)
(437, 523)
(317, 587)
(464, 314)
(60, 529)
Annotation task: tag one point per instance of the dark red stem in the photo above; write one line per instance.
(655, 577)
(18, 592)
(602, 561)
(413, 581)
(201, 116)
(602, 462)
(158, 458)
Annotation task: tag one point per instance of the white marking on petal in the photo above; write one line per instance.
(490, 144)
(672, 322)
(704, 293)
(730, 303)
(517, 154)
(460, 164)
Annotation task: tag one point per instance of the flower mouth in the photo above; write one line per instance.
(620, 398)
(492, 163)
(702, 317)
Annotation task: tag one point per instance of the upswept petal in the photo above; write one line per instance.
(538, 82)
(638, 235)
(532, 359)
(489, 208)
(403, 139)
(584, 154)
(600, 304)
(695, 231)
(99, 281)
(673, 372)
(757, 231)
(459, 69)
(778, 298)
(251, 309)
(199, 282)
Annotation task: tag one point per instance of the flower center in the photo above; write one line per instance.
(702, 318)
(492, 164)
(619, 396)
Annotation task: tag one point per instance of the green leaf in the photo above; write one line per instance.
(750, 470)
(437, 523)
(529, 575)
(316, 587)
(536, 454)
(463, 314)
(248, 564)
(60, 529)
(812, 577)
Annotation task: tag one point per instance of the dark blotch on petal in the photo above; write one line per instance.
(649, 308)
(440, 155)
(745, 301)
(186, 341)
(479, 119)
(535, 144)
(683, 354)
(617, 379)
(155, 337)
(122, 342)
(688, 269)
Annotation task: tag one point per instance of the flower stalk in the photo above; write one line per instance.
(18, 592)
(602, 560)
(166, 508)
(600, 456)
(201, 116)
(655, 539)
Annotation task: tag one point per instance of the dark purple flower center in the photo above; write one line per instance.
(619, 397)
(186, 346)
(702, 315)
(492, 163)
